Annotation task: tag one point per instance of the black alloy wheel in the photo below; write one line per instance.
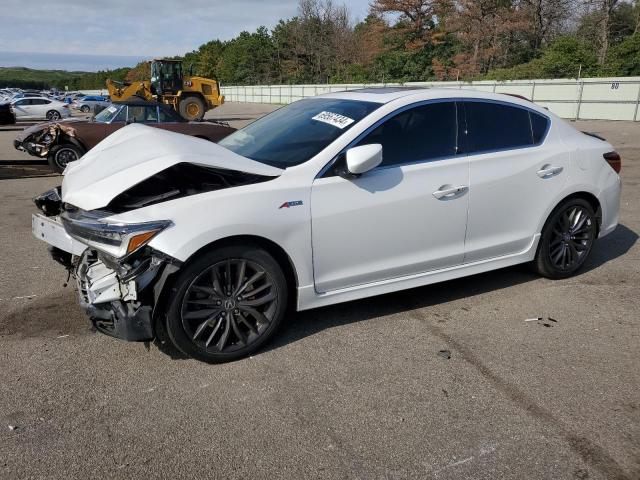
(85, 109)
(228, 308)
(567, 239)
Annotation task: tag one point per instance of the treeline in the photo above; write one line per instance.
(411, 40)
(418, 40)
(45, 79)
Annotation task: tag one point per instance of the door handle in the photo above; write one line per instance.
(446, 192)
(548, 171)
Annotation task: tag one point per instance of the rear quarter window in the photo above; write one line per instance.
(539, 127)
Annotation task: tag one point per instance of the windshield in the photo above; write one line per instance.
(108, 114)
(293, 134)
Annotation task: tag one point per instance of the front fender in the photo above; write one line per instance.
(254, 210)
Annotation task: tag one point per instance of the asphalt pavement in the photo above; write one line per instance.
(447, 381)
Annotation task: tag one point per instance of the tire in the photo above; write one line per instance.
(191, 108)
(211, 319)
(85, 109)
(53, 115)
(567, 239)
(61, 155)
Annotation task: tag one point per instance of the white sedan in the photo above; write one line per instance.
(39, 108)
(326, 200)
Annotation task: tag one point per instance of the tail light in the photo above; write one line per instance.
(614, 160)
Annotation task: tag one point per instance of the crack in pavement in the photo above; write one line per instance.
(591, 453)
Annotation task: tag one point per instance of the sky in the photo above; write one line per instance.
(134, 28)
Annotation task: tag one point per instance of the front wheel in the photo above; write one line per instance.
(85, 109)
(227, 304)
(566, 240)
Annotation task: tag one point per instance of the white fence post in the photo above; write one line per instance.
(579, 100)
(533, 90)
(635, 114)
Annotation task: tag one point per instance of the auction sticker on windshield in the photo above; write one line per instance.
(335, 119)
(111, 109)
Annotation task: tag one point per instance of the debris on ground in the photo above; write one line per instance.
(12, 427)
(445, 354)
(539, 319)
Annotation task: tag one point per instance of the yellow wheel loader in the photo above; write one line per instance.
(190, 96)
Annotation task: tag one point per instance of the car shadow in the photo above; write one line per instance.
(614, 245)
(229, 119)
(307, 323)
(10, 170)
(310, 322)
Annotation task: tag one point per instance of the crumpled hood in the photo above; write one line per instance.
(27, 132)
(136, 152)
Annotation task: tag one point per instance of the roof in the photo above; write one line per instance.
(31, 97)
(389, 94)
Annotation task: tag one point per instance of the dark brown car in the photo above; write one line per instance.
(67, 140)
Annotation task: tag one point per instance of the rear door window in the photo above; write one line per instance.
(495, 126)
(426, 132)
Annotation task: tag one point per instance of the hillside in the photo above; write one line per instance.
(30, 78)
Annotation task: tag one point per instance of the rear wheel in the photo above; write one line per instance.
(567, 239)
(60, 156)
(227, 304)
(53, 115)
(85, 109)
(191, 108)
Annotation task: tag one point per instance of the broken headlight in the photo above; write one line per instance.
(115, 239)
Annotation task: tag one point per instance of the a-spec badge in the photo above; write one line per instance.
(294, 203)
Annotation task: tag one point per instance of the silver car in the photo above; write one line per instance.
(88, 103)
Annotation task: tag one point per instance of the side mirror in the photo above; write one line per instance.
(364, 158)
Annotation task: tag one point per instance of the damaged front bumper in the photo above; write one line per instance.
(119, 298)
(32, 148)
(38, 140)
(118, 294)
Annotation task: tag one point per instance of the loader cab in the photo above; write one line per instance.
(166, 77)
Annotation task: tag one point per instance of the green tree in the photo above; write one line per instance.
(624, 58)
(250, 58)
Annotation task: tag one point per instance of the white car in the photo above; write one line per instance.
(326, 200)
(38, 108)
